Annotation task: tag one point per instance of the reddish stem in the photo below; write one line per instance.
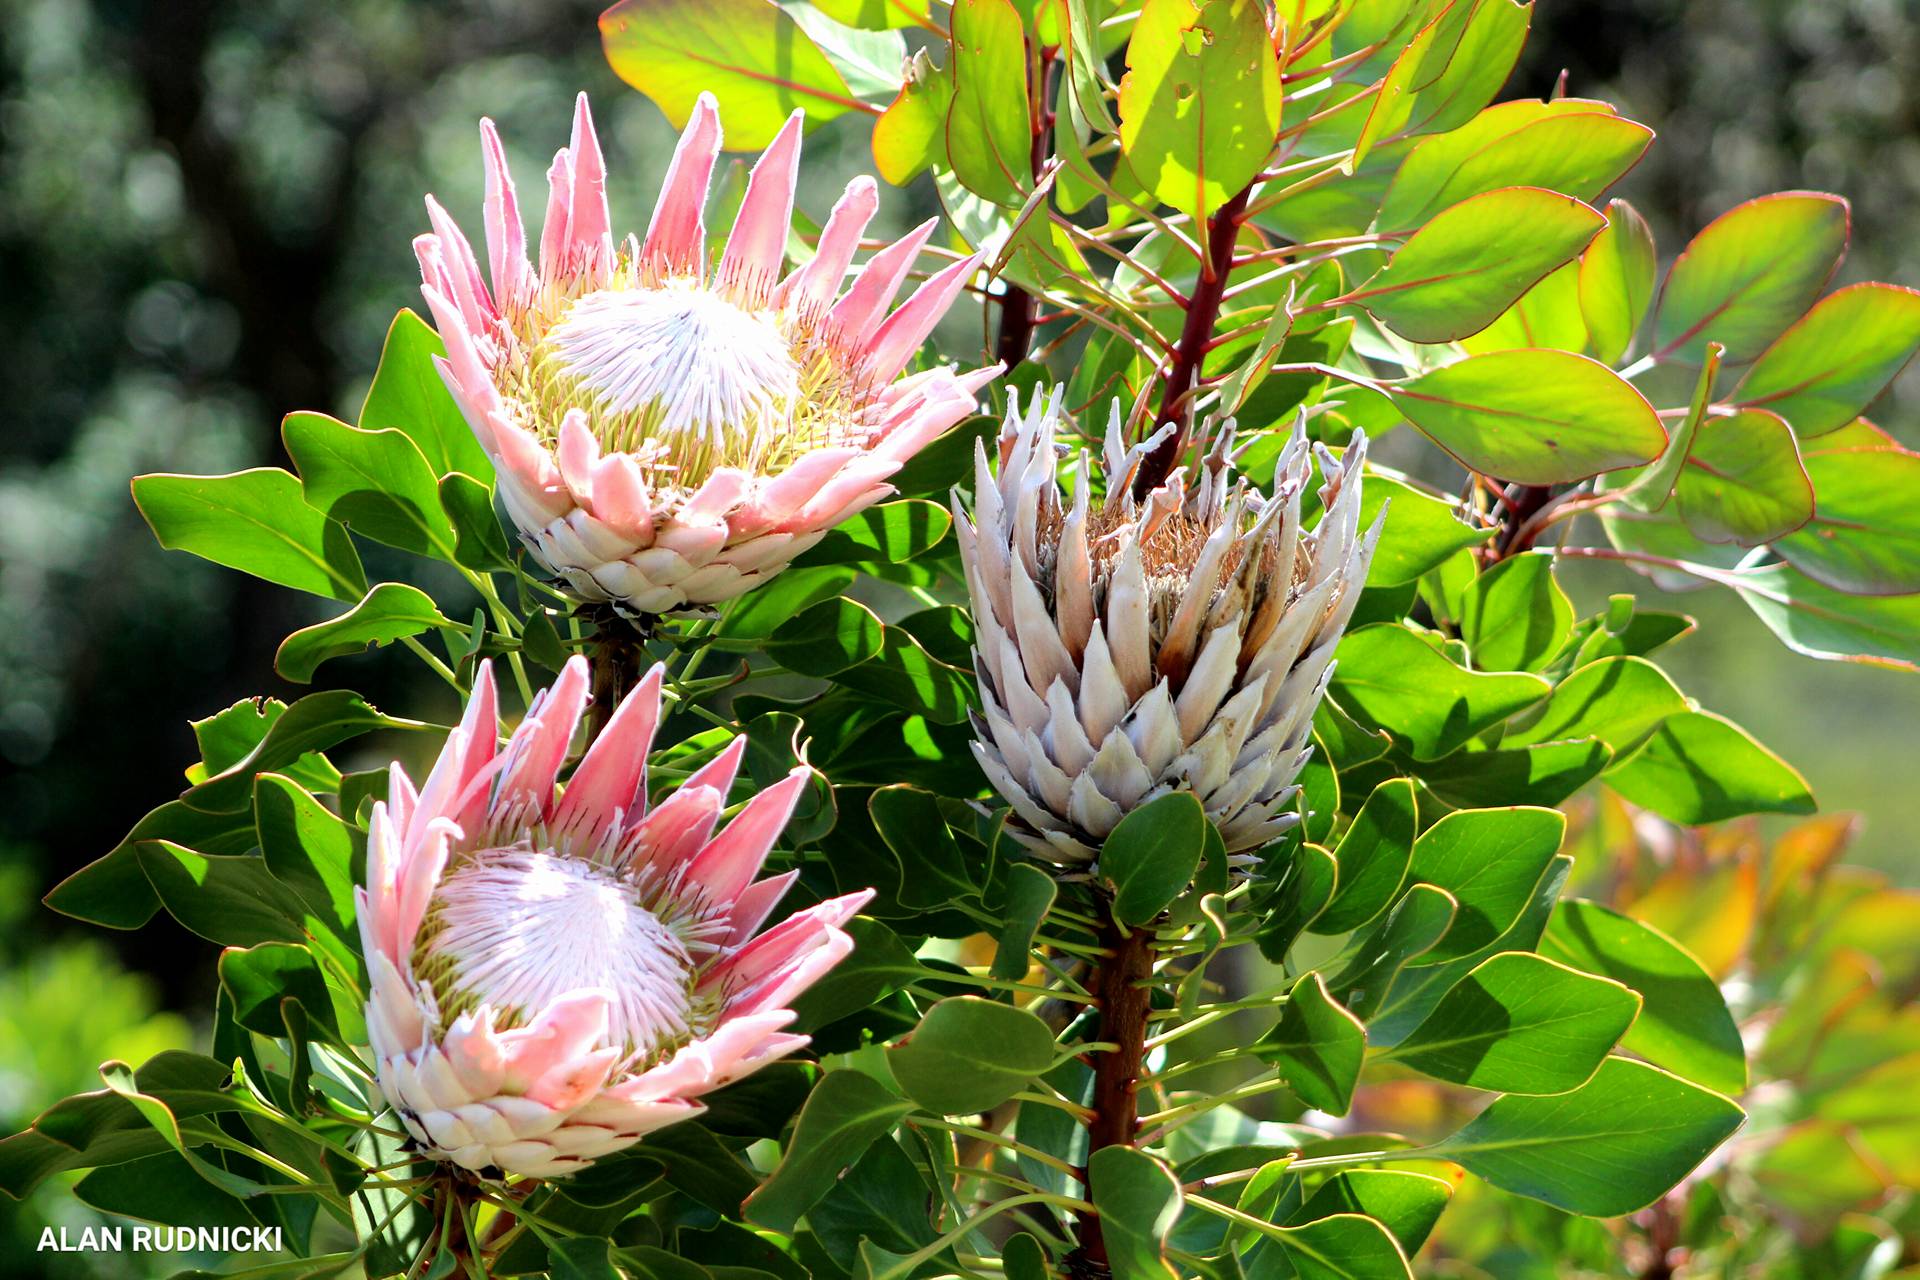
(1121, 985)
(1183, 374)
(1017, 306)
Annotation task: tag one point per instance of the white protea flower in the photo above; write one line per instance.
(669, 431)
(557, 972)
(1126, 649)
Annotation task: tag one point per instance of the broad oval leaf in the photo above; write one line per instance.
(844, 1115)
(1456, 275)
(1812, 618)
(1834, 361)
(408, 395)
(1420, 531)
(1618, 699)
(1614, 1145)
(911, 134)
(1520, 1024)
(1200, 104)
(1489, 860)
(1371, 859)
(1684, 1024)
(1749, 274)
(1864, 537)
(1139, 1200)
(970, 1054)
(1514, 616)
(1389, 678)
(1743, 480)
(1318, 1046)
(1616, 281)
(1573, 146)
(390, 611)
(1533, 416)
(1700, 767)
(750, 54)
(1149, 858)
(257, 522)
(376, 482)
(989, 139)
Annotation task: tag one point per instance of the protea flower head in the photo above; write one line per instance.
(1126, 649)
(668, 431)
(555, 973)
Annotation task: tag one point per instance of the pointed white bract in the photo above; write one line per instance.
(670, 431)
(555, 972)
(1129, 648)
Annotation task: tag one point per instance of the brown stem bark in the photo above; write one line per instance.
(619, 650)
(1121, 985)
(1183, 374)
(1018, 308)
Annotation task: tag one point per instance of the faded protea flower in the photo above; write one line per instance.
(1129, 648)
(669, 432)
(556, 973)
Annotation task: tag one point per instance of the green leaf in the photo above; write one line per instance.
(1700, 767)
(1743, 480)
(876, 15)
(1520, 1024)
(390, 611)
(1489, 860)
(1387, 677)
(308, 849)
(989, 140)
(1472, 261)
(1317, 1045)
(1514, 616)
(1814, 619)
(234, 901)
(1301, 891)
(1405, 1203)
(911, 134)
(1541, 773)
(1372, 858)
(892, 532)
(1616, 281)
(1619, 700)
(1684, 1024)
(970, 1054)
(1614, 1145)
(1835, 360)
(1420, 532)
(760, 612)
(257, 979)
(257, 522)
(1749, 274)
(1650, 490)
(882, 1199)
(1200, 104)
(1864, 537)
(1139, 1201)
(479, 541)
(846, 1113)
(163, 1188)
(934, 869)
(749, 54)
(1547, 315)
(1345, 1246)
(1533, 417)
(1030, 895)
(376, 482)
(827, 638)
(1417, 922)
(1570, 145)
(1150, 856)
(908, 678)
(408, 395)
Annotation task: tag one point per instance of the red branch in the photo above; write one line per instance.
(1125, 1002)
(1183, 375)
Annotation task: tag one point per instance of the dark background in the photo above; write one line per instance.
(206, 211)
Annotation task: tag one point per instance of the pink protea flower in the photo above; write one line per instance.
(669, 432)
(555, 973)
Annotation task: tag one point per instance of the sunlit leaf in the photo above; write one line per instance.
(1749, 274)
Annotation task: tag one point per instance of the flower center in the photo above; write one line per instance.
(690, 361)
(517, 929)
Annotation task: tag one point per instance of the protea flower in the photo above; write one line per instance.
(669, 432)
(1129, 648)
(556, 973)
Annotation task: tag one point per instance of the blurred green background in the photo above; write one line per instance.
(206, 209)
